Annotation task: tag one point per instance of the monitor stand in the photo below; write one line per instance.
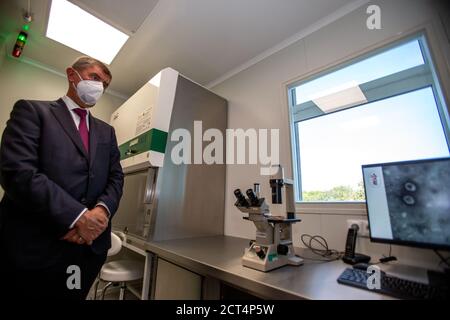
(417, 274)
(439, 279)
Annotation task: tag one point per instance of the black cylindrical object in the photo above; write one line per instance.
(276, 185)
(282, 249)
(260, 253)
(257, 189)
(254, 200)
(242, 202)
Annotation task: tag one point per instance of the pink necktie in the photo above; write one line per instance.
(82, 128)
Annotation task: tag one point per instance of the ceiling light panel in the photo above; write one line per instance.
(79, 30)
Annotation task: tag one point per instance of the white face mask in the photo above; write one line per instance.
(89, 91)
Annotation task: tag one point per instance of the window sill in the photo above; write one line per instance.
(333, 208)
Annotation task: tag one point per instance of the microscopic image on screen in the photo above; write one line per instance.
(418, 196)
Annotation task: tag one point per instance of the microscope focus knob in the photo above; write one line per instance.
(260, 252)
(282, 249)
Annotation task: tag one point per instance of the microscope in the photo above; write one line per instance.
(273, 246)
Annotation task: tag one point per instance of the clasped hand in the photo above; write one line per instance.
(88, 227)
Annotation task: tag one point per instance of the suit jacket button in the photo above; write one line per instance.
(83, 201)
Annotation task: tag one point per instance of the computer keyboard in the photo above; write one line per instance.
(393, 286)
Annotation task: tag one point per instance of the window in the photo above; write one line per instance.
(384, 107)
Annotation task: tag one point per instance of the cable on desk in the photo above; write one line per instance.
(320, 248)
(390, 251)
(443, 259)
(388, 258)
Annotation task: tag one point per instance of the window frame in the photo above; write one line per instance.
(440, 91)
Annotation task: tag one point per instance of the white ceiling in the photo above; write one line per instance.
(203, 39)
(127, 20)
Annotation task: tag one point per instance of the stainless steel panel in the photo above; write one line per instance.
(219, 257)
(190, 199)
(134, 212)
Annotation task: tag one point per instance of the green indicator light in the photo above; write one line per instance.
(20, 44)
(22, 37)
(26, 27)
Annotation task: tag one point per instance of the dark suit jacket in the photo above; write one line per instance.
(49, 178)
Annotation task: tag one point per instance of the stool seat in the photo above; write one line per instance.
(122, 271)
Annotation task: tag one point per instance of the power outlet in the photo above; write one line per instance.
(363, 226)
(365, 232)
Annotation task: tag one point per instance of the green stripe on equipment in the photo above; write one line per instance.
(154, 140)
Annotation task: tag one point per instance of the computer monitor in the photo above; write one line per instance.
(408, 202)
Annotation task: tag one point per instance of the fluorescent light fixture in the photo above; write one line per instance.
(79, 30)
(341, 97)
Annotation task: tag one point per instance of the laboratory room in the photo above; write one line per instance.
(251, 150)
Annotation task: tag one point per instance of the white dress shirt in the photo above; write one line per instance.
(71, 105)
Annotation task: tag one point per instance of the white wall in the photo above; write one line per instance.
(257, 99)
(2, 51)
(19, 80)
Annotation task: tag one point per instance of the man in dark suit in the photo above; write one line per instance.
(60, 170)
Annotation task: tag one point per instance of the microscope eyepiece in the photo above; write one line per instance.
(241, 201)
(254, 200)
(257, 189)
